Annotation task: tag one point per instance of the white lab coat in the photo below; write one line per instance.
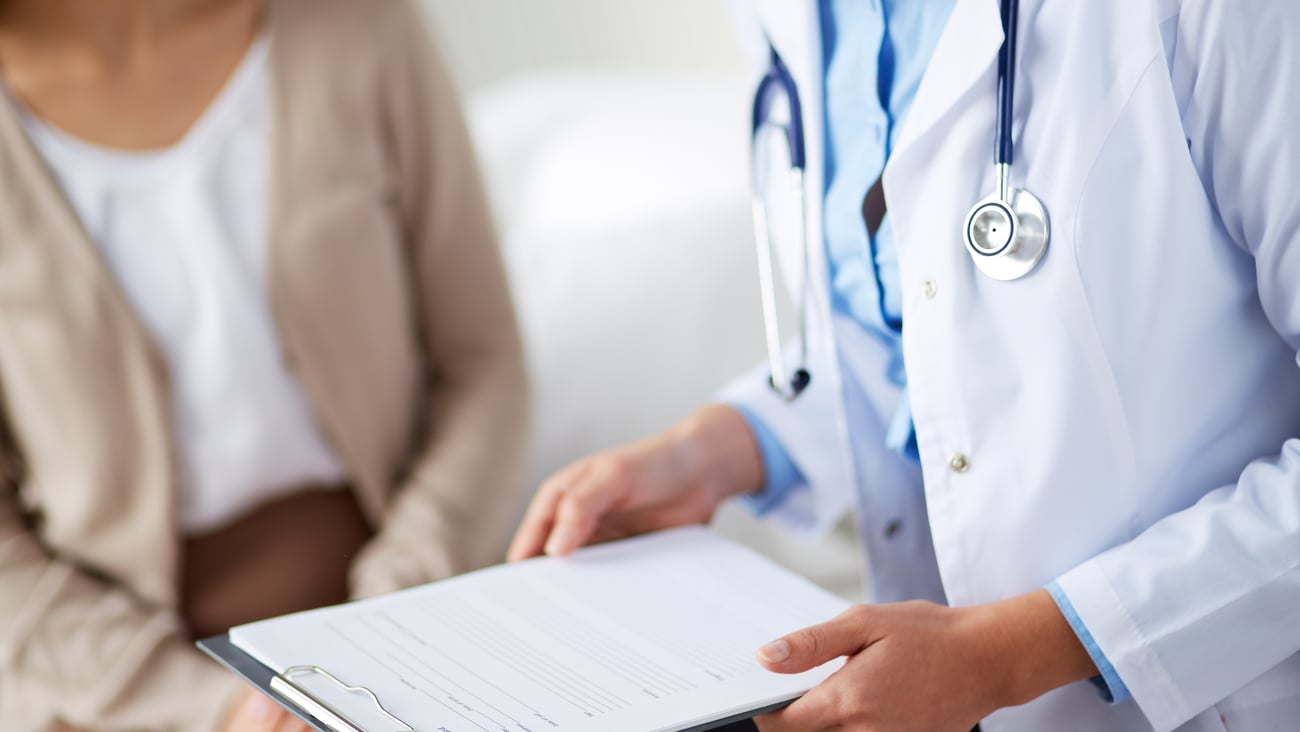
(1129, 411)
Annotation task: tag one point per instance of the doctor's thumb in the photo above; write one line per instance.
(813, 646)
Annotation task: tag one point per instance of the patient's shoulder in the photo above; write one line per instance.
(347, 50)
(346, 27)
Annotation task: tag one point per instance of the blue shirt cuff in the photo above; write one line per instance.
(1110, 685)
(780, 475)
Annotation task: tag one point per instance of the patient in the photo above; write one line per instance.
(257, 353)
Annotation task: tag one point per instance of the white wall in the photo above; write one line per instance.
(488, 40)
(614, 135)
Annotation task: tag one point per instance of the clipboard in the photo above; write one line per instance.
(324, 715)
(282, 689)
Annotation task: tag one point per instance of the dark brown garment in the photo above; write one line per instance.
(292, 554)
(289, 555)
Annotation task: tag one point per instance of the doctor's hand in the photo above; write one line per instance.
(925, 667)
(674, 479)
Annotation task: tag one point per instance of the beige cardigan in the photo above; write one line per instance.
(392, 306)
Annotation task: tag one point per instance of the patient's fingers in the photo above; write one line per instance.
(291, 724)
(254, 713)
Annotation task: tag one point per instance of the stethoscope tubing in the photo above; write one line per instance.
(1005, 150)
(778, 78)
(778, 83)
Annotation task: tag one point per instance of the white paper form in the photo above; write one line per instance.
(649, 634)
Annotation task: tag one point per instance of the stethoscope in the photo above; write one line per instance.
(1006, 234)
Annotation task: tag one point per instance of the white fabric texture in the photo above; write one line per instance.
(184, 231)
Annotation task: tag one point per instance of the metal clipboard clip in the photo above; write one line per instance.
(332, 715)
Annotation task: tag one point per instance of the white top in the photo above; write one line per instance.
(184, 229)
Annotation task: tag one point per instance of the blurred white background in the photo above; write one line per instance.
(615, 141)
(491, 40)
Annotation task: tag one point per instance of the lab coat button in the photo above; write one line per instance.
(959, 463)
(892, 528)
(929, 289)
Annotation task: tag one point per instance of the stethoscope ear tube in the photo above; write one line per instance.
(1005, 152)
(778, 83)
(778, 79)
(788, 384)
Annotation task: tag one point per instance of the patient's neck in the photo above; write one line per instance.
(123, 73)
(112, 27)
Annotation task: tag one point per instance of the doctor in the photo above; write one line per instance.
(1078, 459)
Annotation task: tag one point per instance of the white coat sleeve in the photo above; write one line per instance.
(810, 433)
(806, 428)
(1233, 558)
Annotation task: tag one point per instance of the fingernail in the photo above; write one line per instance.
(775, 652)
(558, 542)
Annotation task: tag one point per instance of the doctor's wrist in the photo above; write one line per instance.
(1031, 648)
(719, 452)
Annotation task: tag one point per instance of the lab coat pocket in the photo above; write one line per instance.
(1270, 703)
(1211, 720)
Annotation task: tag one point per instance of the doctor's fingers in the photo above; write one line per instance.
(604, 485)
(844, 635)
(818, 711)
(844, 701)
(535, 529)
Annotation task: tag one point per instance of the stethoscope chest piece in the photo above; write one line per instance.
(1008, 239)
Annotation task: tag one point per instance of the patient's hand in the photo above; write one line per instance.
(253, 712)
(674, 479)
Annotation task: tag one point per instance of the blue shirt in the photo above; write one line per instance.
(875, 53)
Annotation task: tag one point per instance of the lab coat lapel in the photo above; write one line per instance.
(967, 52)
